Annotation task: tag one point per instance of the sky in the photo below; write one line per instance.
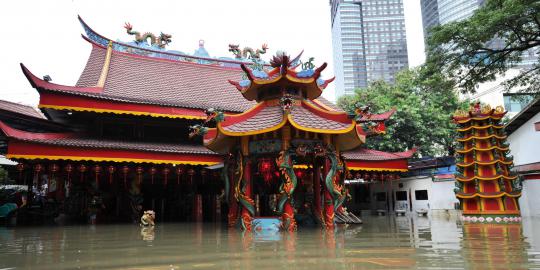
(46, 35)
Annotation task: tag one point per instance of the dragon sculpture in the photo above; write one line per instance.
(337, 191)
(286, 188)
(214, 115)
(197, 130)
(160, 41)
(309, 64)
(235, 49)
(241, 196)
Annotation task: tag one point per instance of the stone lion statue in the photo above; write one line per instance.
(147, 219)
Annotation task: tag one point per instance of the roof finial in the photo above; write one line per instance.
(201, 43)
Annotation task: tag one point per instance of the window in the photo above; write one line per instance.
(401, 195)
(516, 102)
(421, 195)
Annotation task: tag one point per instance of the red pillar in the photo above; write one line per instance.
(328, 201)
(232, 216)
(246, 216)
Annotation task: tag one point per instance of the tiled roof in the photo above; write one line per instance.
(146, 80)
(268, 117)
(307, 119)
(370, 154)
(125, 145)
(21, 109)
(378, 117)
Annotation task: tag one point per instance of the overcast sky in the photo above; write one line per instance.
(45, 35)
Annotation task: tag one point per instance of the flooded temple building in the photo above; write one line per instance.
(118, 141)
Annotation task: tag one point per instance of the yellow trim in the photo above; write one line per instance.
(300, 166)
(262, 82)
(105, 69)
(299, 80)
(134, 160)
(483, 138)
(462, 151)
(376, 169)
(484, 163)
(490, 212)
(486, 178)
(479, 127)
(323, 105)
(324, 131)
(80, 109)
(253, 132)
(322, 111)
(488, 196)
(478, 119)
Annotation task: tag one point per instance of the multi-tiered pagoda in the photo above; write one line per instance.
(487, 189)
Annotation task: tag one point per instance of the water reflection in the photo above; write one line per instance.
(380, 243)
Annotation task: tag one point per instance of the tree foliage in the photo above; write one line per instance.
(424, 102)
(489, 43)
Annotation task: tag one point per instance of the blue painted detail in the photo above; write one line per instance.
(320, 82)
(266, 229)
(245, 83)
(95, 37)
(306, 73)
(259, 74)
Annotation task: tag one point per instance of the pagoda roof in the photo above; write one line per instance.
(72, 146)
(147, 81)
(268, 116)
(373, 160)
(21, 109)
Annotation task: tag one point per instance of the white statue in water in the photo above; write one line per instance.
(147, 219)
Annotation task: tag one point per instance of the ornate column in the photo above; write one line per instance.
(244, 189)
(230, 196)
(328, 206)
(289, 182)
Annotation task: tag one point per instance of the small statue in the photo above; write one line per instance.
(147, 219)
(243, 54)
(197, 130)
(160, 41)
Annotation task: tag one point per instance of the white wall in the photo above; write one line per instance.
(525, 143)
(443, 196)
(529, 202)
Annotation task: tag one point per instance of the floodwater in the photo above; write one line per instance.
(381, 243)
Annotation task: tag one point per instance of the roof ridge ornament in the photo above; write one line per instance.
(157, 41)
(243, 54)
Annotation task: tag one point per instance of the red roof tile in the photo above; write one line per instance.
(305, 118)
(21, 109)
(370, 154)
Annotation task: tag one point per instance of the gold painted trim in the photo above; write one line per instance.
(463, 151)
(488, 196)
(479, 119)
(134, 160)
(120, 112)
(105, 69)
(483, 163)
(483, 138)
(479, 127)
(486, 178)
(334, 112)
(376, 169)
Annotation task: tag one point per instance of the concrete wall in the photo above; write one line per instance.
(525, 146)
(525, 143)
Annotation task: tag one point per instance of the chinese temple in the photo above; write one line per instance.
(486, 187)
(122, 138)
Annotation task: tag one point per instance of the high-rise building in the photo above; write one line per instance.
(369, 42)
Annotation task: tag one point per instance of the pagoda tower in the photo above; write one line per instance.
(485, 187)
(285, 130)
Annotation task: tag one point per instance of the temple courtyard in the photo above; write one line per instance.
(382, 242)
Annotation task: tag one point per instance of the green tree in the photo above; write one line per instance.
(487, 44)
(424, 101)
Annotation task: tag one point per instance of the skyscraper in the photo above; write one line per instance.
(369, 42)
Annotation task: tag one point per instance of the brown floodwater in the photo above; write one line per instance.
(380, 243)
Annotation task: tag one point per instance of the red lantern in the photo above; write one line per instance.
(68, 169)
(53, 168)
(153, 171)
(166, 172)
(97, 171)
(125, 171)
(266, 168)
(82, 170)
(111, 169)
(299, 174)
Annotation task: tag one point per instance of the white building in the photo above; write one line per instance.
(524, 138)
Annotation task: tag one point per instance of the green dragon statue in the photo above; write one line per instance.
(215, 115)
(240, 195)
(286, 188)
(309, 64)
(197, 130)
(337, 191)
(161, 41)
(235, 49)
